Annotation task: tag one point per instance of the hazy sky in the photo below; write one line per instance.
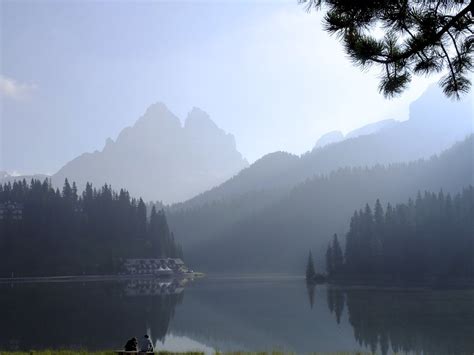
(73, 74)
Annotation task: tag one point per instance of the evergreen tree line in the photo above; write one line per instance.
(429, 238)
(45, 231)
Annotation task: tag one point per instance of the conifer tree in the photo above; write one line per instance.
(141, 218)
(310, 270)
(337, 256)
(376, 243)
(329, 260)
(67, 190)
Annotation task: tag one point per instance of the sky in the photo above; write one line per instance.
(74, 73)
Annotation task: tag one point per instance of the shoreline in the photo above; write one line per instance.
(92, 278)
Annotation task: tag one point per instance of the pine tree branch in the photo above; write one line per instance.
(455, 46)
(453, 75)
(417, 48)
(414, 38)
(437, 5)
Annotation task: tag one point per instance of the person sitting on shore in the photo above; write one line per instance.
(146, 345)
(132, 345)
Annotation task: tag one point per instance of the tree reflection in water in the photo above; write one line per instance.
(311, 291)
(88, 315)
(396, 320)
(232, 315)
(335, 299)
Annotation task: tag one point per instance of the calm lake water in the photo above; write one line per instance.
(236, 313)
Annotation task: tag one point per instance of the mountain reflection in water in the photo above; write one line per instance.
(271, 313)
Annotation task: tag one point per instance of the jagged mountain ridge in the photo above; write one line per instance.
(159, 159)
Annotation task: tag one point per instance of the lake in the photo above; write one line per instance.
(236, 313)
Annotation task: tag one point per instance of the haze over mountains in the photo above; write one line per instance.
(253, 215)
(277, 237)
(337, 136)
(432, 111)
(159, 159)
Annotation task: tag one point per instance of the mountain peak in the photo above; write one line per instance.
(159, 159)
(156, 112)
(198, 119)
(157, 118)
(196, 111)
(157, 108)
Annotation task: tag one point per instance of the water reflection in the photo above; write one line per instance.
(335, 300)
(236, 314)
(91, 315)
(154, 287)
(408, 321)
(311, 290)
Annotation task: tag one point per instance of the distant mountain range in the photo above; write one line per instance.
(434, 125)
(159, 159)
(337, 136)
(237, 220)
(267, 215)
(273, 231)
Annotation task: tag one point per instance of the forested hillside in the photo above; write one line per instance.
(47, 232)
(428, 238)
(275, 238)
(441, 123)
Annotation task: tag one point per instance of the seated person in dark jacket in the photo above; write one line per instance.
(132, 345)
(146, 344)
